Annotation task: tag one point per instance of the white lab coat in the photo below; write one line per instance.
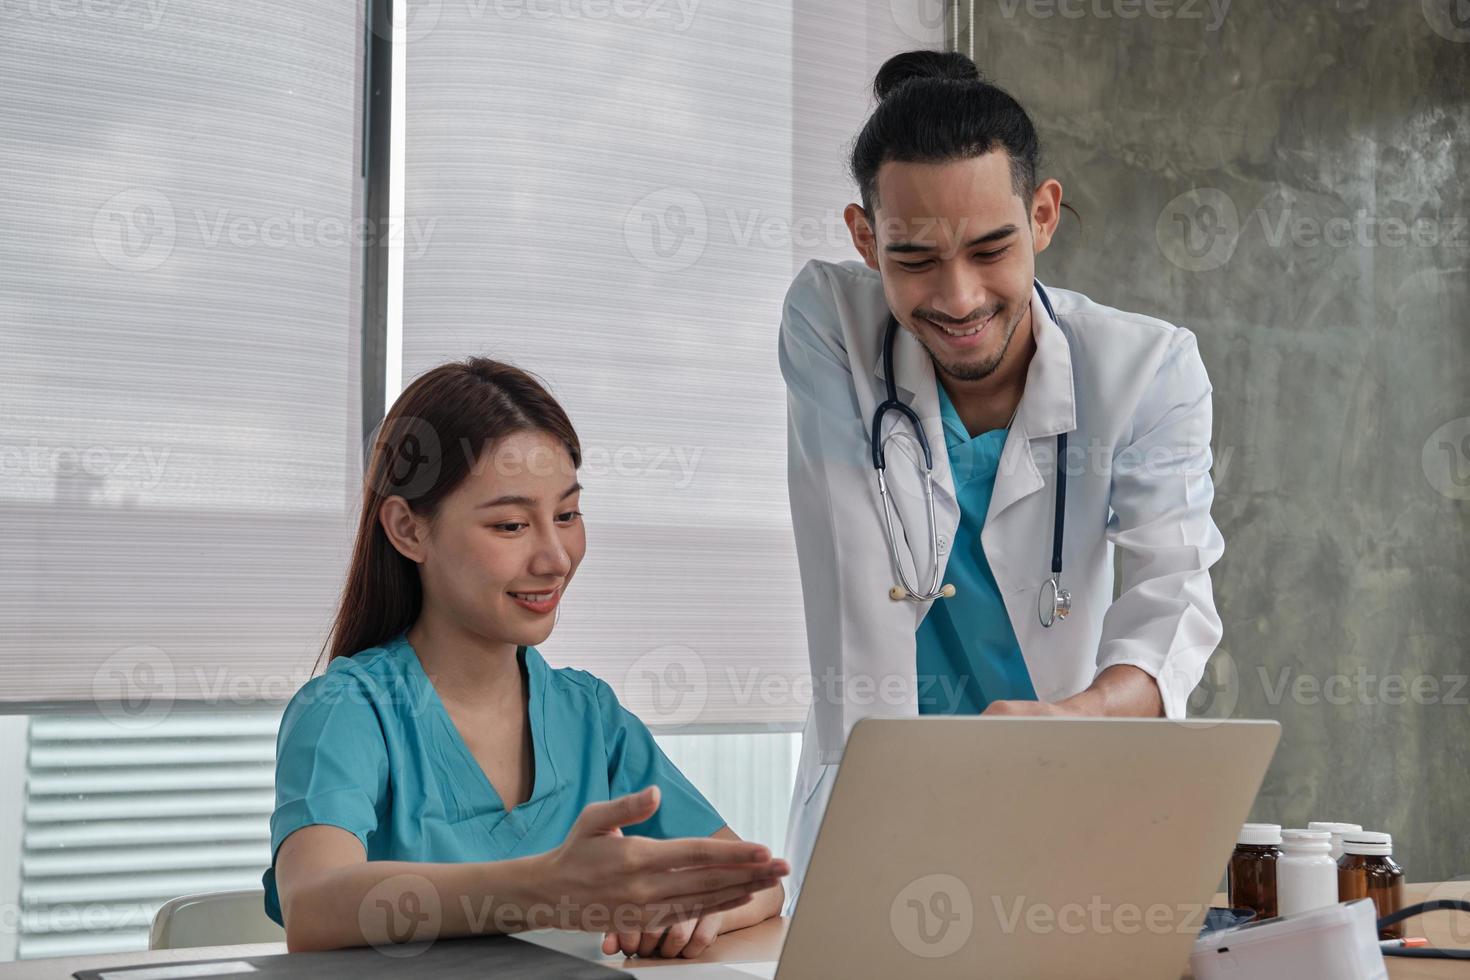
(1134, 398)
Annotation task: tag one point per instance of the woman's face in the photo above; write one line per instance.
(498, 556)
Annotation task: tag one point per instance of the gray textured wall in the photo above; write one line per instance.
(1287, 180)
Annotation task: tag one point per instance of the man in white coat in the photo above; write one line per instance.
(951, 220)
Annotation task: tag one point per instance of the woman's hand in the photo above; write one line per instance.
(691, 938)
(600, 881)
(687, 939)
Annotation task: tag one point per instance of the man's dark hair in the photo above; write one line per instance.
(934, 107)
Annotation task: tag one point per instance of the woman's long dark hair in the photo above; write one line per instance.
(424, 448)
(934, 107)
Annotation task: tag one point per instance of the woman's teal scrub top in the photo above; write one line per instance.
(967, 653)
(369, 747)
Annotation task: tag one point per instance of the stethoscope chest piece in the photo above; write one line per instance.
(1052, 603)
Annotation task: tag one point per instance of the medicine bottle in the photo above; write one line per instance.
(1337, 830)
(1367, 870)
(1306, 875)
(1251, 883)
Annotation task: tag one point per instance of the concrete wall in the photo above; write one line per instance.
(1288, 181)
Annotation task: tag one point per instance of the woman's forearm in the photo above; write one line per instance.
(762, 906)
(385, 902)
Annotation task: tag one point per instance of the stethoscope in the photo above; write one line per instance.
(1053, 601)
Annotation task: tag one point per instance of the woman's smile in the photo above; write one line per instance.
(540, 603)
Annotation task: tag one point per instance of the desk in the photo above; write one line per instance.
(763, 942)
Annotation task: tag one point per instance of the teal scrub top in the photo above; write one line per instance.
(369, 747)
(967, 653)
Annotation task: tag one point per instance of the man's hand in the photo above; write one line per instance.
(686, 939)
(1122, 691)
(1016, 709)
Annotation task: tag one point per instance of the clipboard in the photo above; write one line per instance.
(477, 957)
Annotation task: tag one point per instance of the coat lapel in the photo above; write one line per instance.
(1048, 407)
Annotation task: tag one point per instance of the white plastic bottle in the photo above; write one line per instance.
(1306, 875)
(1336, 830)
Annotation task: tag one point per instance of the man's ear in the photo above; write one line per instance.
(405, 531)
(861, 230)
(1046, 212)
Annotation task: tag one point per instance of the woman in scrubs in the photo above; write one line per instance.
(439, 778)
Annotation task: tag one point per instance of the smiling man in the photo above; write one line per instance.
(967, 448)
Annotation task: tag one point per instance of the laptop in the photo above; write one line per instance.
(1022, 847)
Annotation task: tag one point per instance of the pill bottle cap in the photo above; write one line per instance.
(1367, 842)
(1297, 835)
(1259, 834)
(1333, 827)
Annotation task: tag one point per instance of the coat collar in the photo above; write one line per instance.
(1048, 403)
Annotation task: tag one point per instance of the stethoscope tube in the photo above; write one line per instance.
(1425, 952)
(1059, 604)
(880, 464)
(1054, 602)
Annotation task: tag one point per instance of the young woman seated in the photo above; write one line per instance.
(440, 779)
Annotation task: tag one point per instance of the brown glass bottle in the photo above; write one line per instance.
(1367, 870)
(1251, 883)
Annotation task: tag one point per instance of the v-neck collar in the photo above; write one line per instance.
(544, 779)
(955, 433)
(970, 457)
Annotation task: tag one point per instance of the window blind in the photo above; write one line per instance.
(179, 396)
(616, 196)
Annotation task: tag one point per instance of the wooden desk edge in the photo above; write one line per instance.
(762, 943)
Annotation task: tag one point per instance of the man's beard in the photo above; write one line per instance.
(975, 370)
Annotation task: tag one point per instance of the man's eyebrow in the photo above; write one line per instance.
(1004, 231)
(515, 499)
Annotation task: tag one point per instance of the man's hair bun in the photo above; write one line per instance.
(910, 65)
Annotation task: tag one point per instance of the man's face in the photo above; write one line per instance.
(956, 249)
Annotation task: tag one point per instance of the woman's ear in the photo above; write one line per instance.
(405, 531)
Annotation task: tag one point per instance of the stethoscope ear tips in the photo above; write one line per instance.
(898, 592)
